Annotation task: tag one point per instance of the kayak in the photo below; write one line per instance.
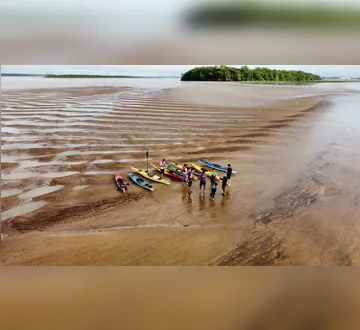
(214, 166)
(188, 167)
(150, 176)
(168, 172)
(174, 169)
(120, 182)
(140, 182)
(200, 169)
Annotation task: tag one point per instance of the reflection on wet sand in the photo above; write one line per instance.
(21, 209)
(294, 201)
(40, 191)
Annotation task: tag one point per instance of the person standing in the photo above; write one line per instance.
(185, 173)
(162, 168)
(213, 176)
(224, 184)
(228, 174)
(203, 180)
(213, 189)
(190, 178)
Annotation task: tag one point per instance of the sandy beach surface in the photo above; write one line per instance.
(295, 199)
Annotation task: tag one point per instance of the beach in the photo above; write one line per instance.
(295, 199)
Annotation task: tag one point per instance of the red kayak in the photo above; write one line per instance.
(120, 182)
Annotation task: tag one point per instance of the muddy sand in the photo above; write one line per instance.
(295, 199)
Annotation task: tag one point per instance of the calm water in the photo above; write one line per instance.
(13, 83)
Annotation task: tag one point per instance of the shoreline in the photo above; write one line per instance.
(174, 229)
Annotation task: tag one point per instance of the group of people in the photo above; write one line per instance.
(188, 178)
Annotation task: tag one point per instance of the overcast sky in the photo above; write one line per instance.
(168, 70)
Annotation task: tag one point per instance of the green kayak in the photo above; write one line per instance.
(174, 169)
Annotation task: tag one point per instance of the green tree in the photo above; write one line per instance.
(225, 73)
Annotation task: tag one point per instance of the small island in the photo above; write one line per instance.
(84, 76)
(245, 74)
(282, 15)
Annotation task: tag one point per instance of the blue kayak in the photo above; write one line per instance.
(214, 166)
(140, 182)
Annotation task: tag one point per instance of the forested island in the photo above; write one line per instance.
(281, 15)
(84, 76)
(225, 73)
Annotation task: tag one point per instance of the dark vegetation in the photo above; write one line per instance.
(225, 73)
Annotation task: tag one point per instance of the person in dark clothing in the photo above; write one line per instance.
(213, 189)
(224, 184)
(228, 174)
(190, 178)
(203, 180)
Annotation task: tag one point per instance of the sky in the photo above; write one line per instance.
(169, 70)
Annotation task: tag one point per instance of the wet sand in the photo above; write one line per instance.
(295, 198)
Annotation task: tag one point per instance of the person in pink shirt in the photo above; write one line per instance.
(185, 173)
(162, 168)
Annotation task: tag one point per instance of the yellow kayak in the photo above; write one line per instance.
(199, 169)
(150, 176)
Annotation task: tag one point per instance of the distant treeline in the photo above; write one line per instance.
(102, 76)
(225, 73)
(281, 15)
(83, 76)
(21, 75)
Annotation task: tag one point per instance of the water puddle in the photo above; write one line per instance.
(10, 192)
(77, 153)
(25, 201)
(11, 130)
(34, 163)
(62, 129)
(77, 145)
(48, 138)
(58, 174)
(18, 176)
(99, 173)
(20, 138)
(103, 161)
(21, 210)
(14, 146)
(47, 124)
(79, 187)
(9, 159)
(40, 191)
(130, 160)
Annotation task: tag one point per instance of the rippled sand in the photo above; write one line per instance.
(294, 201)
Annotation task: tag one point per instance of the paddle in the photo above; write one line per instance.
(147, 161)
